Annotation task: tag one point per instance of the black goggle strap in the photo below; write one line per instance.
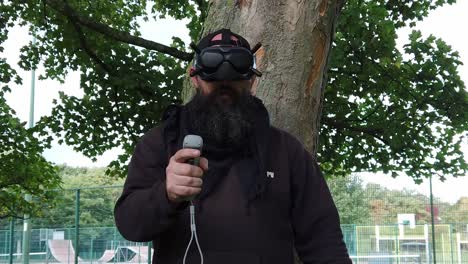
(197, 52)
(256, 72)
(255, 49)
(195, 48)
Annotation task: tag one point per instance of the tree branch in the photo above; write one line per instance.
(201, 5)
(9, 212)
(99, 62)
(366, 130)
(119, 113)
(92, 54)
(5, 216)
(115, 34)
(84, 44)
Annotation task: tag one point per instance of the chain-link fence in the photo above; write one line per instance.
(79, 228)
(400, 226)
(379, 226)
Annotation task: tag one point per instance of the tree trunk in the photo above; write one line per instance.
(296, 37)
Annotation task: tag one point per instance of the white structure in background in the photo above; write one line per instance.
(461, 241)
(58, 235)
(404, 220)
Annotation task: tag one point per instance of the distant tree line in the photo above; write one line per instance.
(374, 204)
(357, 202)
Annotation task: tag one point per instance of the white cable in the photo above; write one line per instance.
(193, 230)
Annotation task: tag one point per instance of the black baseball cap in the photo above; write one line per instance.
(226, 38)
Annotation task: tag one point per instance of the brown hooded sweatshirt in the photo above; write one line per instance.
(295, 211)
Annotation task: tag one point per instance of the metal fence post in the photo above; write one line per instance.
(26, 233)
(92, 251)
(12, 239)
(397, 241)
(149, 252)
(77, 225)
(434, 260)
(451, 242)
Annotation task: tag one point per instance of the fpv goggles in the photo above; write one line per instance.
(225, 63)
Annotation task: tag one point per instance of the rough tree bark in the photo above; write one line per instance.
(296, 37)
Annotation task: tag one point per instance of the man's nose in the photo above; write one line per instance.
(223, 84)
(228, 83)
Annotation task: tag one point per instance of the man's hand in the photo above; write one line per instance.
(184, 181)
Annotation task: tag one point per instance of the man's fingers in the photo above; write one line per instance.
(187, 170)
(185, 191)
(204, 163)
(183, 155)
(180, 180)
(183, 181)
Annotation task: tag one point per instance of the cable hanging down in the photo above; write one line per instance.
(193, 230)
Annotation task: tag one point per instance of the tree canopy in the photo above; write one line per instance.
(23, 170)
(98, 194)
(392, 111)
(351, 199)
(384, 109)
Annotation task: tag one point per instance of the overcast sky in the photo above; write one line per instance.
(446, 22)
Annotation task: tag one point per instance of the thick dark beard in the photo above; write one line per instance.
(220, 123)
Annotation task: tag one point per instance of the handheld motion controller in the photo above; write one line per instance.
(193, 142)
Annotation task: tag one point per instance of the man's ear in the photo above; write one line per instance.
(253, 85)
(253, 79)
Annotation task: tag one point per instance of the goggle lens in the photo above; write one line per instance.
(211, 59)
(241, 61)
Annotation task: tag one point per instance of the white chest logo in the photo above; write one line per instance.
(270, 174)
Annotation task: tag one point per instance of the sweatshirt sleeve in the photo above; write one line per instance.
(316, 224)
(143, 211)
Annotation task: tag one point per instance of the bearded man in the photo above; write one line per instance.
(255, 194)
